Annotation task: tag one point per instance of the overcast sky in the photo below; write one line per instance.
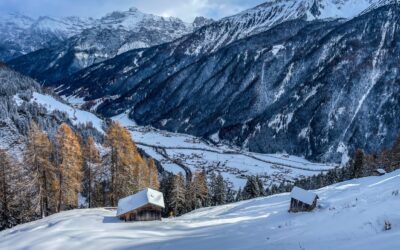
(184, 9)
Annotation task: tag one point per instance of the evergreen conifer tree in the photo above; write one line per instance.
(251, 189)
(178, 195)
(219, 190)
(91, 165)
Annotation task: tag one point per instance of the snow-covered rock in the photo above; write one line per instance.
(351, 215)
(20, 34)
(83, 42)
(317, 88)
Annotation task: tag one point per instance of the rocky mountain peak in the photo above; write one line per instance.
(201, 21)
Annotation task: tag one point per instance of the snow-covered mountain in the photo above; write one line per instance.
(351, 215)
(110, 37)
(97, 41)
(271, 13)
(311, 88)
(302, 81)
(20, 34)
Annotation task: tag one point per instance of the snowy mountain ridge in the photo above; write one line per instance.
(274, 12)
(96, 41)
(311, 88)
(20, 34)
(350, 215)
(122, 31)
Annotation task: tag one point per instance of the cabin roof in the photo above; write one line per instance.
(303, 195)
(381, 171)
(140, 199)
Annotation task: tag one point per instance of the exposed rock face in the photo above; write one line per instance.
(318, 88)
(119, 32)
(103, 39)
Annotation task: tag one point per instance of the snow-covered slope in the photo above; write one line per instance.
(319, 89)
(269, 14)
(119, 32)
(22, 101)
(351, 215)
(186, 154)
(105, 38)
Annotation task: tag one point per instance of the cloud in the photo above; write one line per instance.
(184, 9)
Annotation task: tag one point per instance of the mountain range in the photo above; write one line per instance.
(66, 45)
(308, 77)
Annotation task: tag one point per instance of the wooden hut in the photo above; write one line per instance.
(302, 200)
(379, 172)
(145, 205)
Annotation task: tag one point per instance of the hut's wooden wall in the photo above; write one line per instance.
(146, 213)
(298, 206)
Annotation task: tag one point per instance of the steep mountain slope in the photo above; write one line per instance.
(351, 215)
(19, 107)
(180, 153)
(271, 13)
(109, 36)
(110, 40)
(22, 101)
(318, 89)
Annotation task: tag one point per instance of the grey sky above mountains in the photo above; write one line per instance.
(184, 9)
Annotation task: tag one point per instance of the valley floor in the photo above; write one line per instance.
(351, 215)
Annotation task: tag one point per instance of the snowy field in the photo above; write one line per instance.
(175, 150)
(182, 153)
(351, 215)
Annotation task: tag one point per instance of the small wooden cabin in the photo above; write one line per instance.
(379, 172)
(302, 200)
(145, 205)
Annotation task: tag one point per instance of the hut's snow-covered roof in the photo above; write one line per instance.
(303, 195)
(140, 199)
(381, 171)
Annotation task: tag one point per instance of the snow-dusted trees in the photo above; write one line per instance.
(358, 163)
(197, 194)
(166, 182)
(218, 189)
(128, 169)
(8, 195)
(251, 189)
(239, 195)
(68, 157)
(200, 190)
(395, 156)
(91, 166)
(153, 175)
(177, 199)
(38, 162)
